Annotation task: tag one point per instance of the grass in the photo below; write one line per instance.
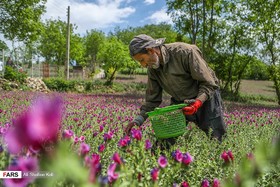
(253, 92)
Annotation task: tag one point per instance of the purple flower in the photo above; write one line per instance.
(37, 127)
(25, 165)
(162, 161)
(125, 141)
(101, 148)
(117, 159)
(95, 167)
(216, 183)
(67, 134)
(84, 149)
(108, 136)
(101, 127)
(205, 183)
(82, 138)
(154, 174)
(112, 176)
(136, 134)
(148, 144)
(227, 156)
(177, 155)
(187, 159)
(185, 184)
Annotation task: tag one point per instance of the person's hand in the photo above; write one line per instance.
(193, 106)
(129, 127)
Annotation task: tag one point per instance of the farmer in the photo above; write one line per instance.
(180, 70)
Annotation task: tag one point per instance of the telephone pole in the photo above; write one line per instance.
(67, 45)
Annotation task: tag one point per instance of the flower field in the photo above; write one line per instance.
(80, 139)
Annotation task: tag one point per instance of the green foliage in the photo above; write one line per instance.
(54, 51)
(21, 20)
(92, 41)
(115, 56)
(14, 75)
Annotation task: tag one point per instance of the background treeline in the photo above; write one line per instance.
(239, 38)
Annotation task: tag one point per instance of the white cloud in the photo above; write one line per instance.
(149, 2)
(159, 17)
(89, 16)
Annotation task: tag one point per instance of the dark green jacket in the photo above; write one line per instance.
(184, 75)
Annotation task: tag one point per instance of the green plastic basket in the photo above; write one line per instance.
(169, 121)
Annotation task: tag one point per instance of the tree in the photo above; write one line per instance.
(92, 41)
(20, 20)
(53, 43)
(265, 18)
(115, 56)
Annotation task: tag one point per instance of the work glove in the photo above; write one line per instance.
(129, 127)
(193, 106)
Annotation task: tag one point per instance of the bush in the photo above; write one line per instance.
(14, 75)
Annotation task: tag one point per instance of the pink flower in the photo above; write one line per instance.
(82, 138)
(136, 134)
(25, 165)
(205, 183)
(117, 159)
(227, 156)
(185, 184)
(37, 127)
(101, 148)
(108, 136)
(67, 134)
(187, 159)
(216, 183)
(148, 144)
(95, 167)
(162, 161)
(84, 149)
(154, 174)
(125, 141)
(101, 127)
(177, 155)
(112, 176)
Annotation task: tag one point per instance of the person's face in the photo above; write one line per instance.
(149, 59)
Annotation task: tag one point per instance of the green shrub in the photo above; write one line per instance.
(14, 75)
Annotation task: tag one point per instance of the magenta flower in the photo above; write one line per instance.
(205, 183)
(162, 161)
(112, 176)
(108, 136)
(117, 159)
(84, 149)
(227, 156)
(154, 174)
(95, 167)
(125, 141)
(187, 159)
(67, 134)
(185, 184)
(136, 134)
(101, 127)
(37, 127)
(148, 144)
(29, 164)
(82, 138)
(101, 148)
(216, 183)
(177, 155)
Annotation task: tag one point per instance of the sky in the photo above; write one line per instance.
(105, 15)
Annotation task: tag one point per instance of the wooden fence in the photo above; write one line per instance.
(46, 70)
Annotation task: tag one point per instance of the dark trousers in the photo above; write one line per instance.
(210, 115)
